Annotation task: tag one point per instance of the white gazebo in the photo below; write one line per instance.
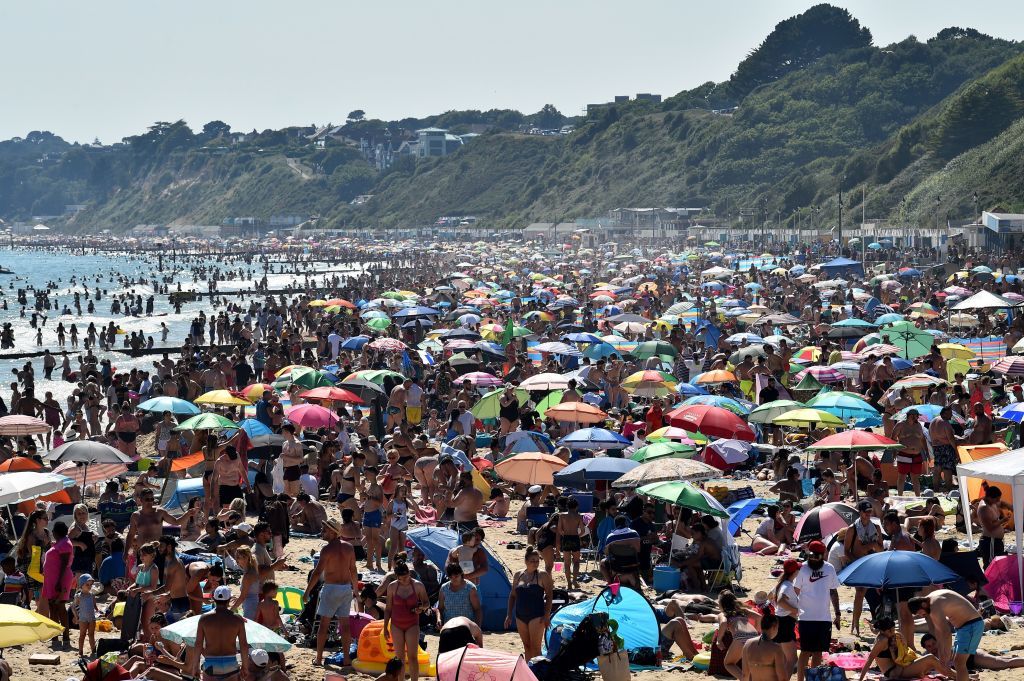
(1008, 469)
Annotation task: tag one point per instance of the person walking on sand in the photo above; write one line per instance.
(337, 570)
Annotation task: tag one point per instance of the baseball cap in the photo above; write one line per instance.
(222, 593)
(259, 657)
(83, 579)
(244, 527)
(535, 489)
(791, 566)
(864, 507)
(816, 547)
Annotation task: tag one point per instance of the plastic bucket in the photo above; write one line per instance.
(666, 578)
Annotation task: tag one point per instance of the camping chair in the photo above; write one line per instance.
(119, 512)
(728, 571)
(538, 515)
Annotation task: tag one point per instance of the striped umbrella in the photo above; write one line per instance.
(87, 474)
(823, 374)
(1010, 366)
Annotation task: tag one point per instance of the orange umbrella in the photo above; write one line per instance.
(717, 376)
(576, 412)
(20, 463)
(341, 302)
(530, 468)
(59, 497)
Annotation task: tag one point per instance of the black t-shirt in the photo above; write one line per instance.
(768, 394)
(633, 508)
(643, 528)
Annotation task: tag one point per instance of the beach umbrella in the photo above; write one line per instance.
(331, 394)
(90, 451)
(175, 405)
(223, 398)
(311, 416)
(256, 635)
(713, 377)
(769, 410)
(843, 405)
(1009, 366)
(824, 521)
(20, 463)
(487, 408)
(808, 418)
(955, 351)
(896, 569)
(83, 474)
(552, 399)
(17, 425)
(254, 392)
(1013, 412)
(877, 351)
(741, 338)
(388, 345)
(754, 351)
(355, 342)
(575, 412)
(378, 323)
(365, 389)
(375, 376)
(690, 389)
(822, 374)
(655, 348)
(26, 485)
(529, 468)
(739, 511)
(544, 382)
(675, 434)
(594, 438)
(482, 379)
(918, 381)
(666, 470)
(206, 422)
(730, 451)
(710, 420)
(254, 428)
(20, 626)
(649, 384)
(682, 493)
(738, 407)
(580, 472)
(662, 450)
(854, 441)
(304, 377)
(912, 341)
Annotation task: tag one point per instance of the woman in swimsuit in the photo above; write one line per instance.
(126, 427)
(406, 598)
(546, 538)
(352, 532)
(763, 658)
(249, 590)
(392, 474)
(348, 481)
(398, 514)
(734, 619)
(894, 658)
(84, 541)
(568, 530)
(530, 602)
(146, 575)
(35, 534)
(373, 518)
(508, 411)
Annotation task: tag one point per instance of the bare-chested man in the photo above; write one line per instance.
(220, 636)
(230, 479)
(468, 501)
(198, 572)
(146, 524)
(990, 519)
(948, 612)
(175, 580)
(397, 402)
(337, 569)
(910, 459)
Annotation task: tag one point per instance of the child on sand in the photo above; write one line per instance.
(85, 610)
(394, 670)
(268, 613)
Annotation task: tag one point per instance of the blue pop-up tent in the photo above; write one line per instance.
(638, 626)
(843, 267)
(437, 542)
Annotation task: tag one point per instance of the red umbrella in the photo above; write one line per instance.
(331, 394)
(388, 345)
(711, 420)
(854, 441)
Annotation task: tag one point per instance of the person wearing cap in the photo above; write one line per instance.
(219, 635)
(817, 585)
(785, 600)
(267, 666)
(337, 570)
(84, 606)
(910, 459)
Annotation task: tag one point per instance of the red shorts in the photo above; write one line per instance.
(909, 468)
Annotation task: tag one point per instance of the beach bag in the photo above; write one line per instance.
(614, 666)
(904, 655)
(825, 672)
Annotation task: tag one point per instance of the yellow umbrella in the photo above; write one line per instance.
(19, 626)
(221, 397)
(956, 351)
(808, 418)
(318, 303)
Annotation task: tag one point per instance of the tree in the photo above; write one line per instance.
(548, 117)
(215, 129)
(356, 115)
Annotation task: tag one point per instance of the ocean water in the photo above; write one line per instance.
(114, 273)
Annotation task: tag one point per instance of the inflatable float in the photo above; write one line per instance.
(373, 652)
(701, 661)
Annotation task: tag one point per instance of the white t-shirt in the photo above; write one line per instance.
(467, 419)
(414, 396)
(786, 591)
(334, 340)
(309, 485)
(814, 586)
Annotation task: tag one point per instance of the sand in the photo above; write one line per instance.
(756, 576)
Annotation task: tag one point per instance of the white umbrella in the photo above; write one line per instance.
(257, 635)
(545, 382)
(22, 486)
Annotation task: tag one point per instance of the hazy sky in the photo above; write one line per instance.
(110, 68)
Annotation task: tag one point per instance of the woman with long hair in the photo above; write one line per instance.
(784, 599)
(405, 599)
(735, 619)
(34, 542)
(373, 519)
(398, 519)
(896, 659)
(249, 590)
(529, 603)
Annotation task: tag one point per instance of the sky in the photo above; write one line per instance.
(109, 69)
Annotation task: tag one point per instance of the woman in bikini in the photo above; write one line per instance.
(405, 599)
(529, 603)
(895, 659)
(373, 519)
(568, 531)
(126, 427)
(734, 619)
(352, 532)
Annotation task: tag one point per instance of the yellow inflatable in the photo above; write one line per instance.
(702, 661)
(374, 651)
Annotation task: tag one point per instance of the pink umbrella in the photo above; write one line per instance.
(1011, 366)
(311, 416)
(18, 425)
(482, 378)
(388, 345)
(87, 474)
(822, 374)
(472, 663)
(878, 350)
(1003, 582)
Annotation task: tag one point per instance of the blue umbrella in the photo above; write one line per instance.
(355, 343)
(417, 311)
(254, 428)
(422, 323)
(875, 246)
(594, 438)
(690, 389)
(175, 405)
(1013, 412)
(738, 407)
(843, 406)
(889, 318)
(600, 351)
(740, 511)
(578, 473)
(896, 569)
(582, 338)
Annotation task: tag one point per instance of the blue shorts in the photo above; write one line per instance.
(335, 601)
(968, 637)
(373, 518)
(222, 665)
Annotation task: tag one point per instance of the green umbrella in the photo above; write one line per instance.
(207, 422)
(769, 410)
(912, 341)
(378, 323)
(488, 406)
(310, 379)
(662, 450)
(809, 382)
(655, 348)
(681, 493)
(552, 399)
(375, 375)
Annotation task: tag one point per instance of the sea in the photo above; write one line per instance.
(116, 273)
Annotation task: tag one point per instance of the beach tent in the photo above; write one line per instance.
(842, 267)
(473, 664)
(180, 491)
(983, 300)
(437, 542)
(638, 625)
(1008, 469)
